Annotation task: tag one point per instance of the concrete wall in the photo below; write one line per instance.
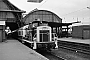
(77, 32)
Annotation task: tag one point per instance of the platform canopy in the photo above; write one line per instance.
(55, 24)
(11, 14)
(35, 1)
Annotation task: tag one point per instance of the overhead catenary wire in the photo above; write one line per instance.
(77, 18)
(75, 11)
(42, 3)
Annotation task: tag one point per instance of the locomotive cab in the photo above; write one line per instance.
(44, 34)
(43, 37)
(38, 35)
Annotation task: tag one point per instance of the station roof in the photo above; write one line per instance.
(11, 11)
(6, 6)
(42, 15)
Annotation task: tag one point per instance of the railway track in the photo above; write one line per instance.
(77, 47)
(50, 55)
(47, 54)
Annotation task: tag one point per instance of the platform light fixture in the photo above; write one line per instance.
(88, 7)
(35, 1)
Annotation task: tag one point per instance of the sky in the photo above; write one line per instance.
(68, 10)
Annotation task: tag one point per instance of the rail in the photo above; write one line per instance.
(77, 47)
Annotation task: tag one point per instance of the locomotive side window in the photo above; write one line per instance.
(20, 33)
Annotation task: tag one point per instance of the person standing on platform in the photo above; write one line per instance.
(7, 31)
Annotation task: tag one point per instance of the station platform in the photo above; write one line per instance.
(70, 39)
(14, 50)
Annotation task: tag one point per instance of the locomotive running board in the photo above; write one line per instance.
(27, 41)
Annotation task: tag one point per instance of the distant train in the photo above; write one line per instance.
(38, 35)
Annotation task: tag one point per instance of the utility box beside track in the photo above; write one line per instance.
(82, 31)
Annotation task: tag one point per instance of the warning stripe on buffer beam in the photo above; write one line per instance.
(36, 1)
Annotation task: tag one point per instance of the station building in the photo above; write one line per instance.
(10, 16)
(82, 31)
